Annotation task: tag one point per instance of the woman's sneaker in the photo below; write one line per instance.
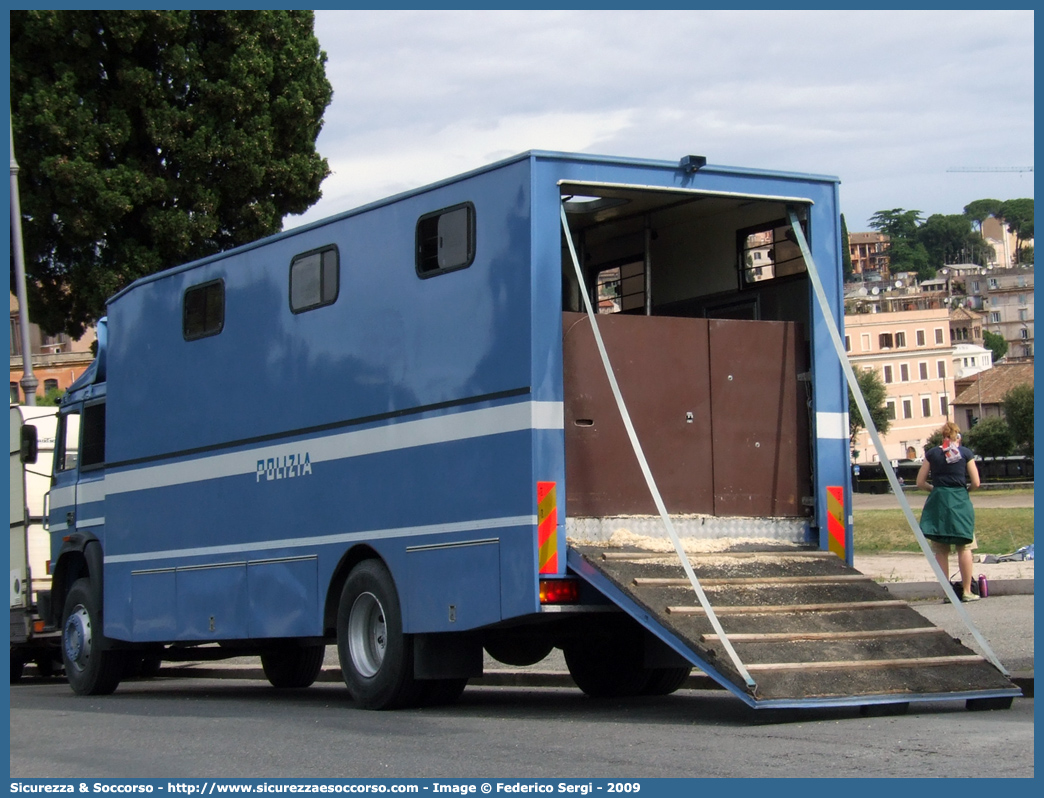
(968, 597)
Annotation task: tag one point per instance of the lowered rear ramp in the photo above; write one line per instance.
(811, 631)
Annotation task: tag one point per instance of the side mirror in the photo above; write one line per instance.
(30, 445)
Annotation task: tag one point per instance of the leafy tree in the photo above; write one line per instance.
(991, 437)
(1018, 412)
(52, 398)
(874, 394)
(846, 253)
(947, 238)
(904, 256)
(1018, 215)
(150, 138)
(935, 439)
(996, 343)
(897, 224)
(978, 211)
(905, 252)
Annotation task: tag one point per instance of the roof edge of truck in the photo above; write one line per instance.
(546, 155)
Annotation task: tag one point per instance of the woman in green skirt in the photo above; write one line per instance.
(948, 518)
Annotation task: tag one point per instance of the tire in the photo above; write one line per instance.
(138, 665)
(664, 681)
(376, 657)
(150, 665)
(17, 667)
(47, 666)
(440, 692)
(608, 667)
(91, 667)
(293, 667)
(519, 651)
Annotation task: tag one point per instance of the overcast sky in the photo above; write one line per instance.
(888, 101)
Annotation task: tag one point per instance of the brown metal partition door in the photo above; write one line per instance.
(715, 405)
(759, 418)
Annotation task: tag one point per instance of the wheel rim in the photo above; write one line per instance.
(77, 637)
(367, 634)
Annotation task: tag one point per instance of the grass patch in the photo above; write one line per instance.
(999, 530)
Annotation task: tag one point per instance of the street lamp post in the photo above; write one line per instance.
(28, 381)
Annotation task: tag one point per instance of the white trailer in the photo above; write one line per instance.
(33, 636)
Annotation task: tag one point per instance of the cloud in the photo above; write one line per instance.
(887, 100)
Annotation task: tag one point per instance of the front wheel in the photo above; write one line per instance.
(91, 667)
(376, 657)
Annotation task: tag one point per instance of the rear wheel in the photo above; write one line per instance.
(664, 681)
(91, 667)
(608, 667)
(519, 650)
(17, 666)
(376, 657)
(292, 667)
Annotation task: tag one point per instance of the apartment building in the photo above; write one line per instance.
(966, 326)
(982, 396)
(869, 253)
(1007, 301)
(57, 360)
(912, 353)
(996, 233)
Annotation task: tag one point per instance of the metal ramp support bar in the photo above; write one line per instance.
(853, 386)
(643, 463)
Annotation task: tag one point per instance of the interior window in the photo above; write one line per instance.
(621, 288)
(769, 252)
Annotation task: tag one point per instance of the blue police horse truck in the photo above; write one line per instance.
(386, 430)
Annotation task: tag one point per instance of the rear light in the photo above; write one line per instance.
(47, 567)
(559, 591)
(38, 625)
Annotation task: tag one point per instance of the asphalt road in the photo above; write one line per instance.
(193, 728)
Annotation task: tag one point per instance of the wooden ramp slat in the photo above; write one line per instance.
(869, 634)
(773, 608)
(739, 555)
(768, 581)
(913, 662)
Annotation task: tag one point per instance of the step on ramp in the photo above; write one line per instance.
(810, 630)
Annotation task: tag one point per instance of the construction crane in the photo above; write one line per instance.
(990, 169)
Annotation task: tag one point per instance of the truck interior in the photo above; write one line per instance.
(703, 301)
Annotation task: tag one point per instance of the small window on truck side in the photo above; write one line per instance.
(92, 444)
(203, 311)
(445, 240)
(314, 279)
(67, 445)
